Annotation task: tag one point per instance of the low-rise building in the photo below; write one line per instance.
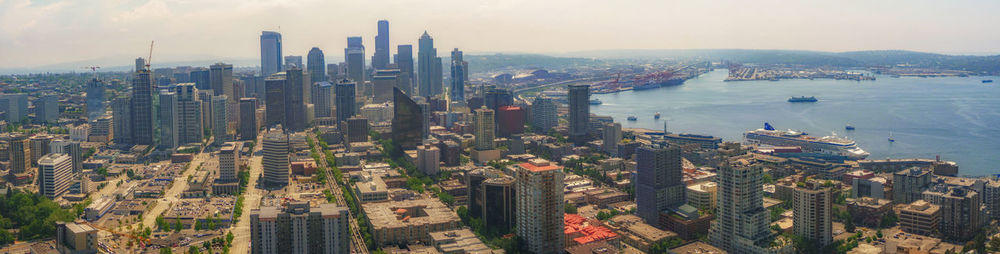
(702, 195)
(636, 233)
(920, 217)
(459, 241)
(409, 220)
(869, 211)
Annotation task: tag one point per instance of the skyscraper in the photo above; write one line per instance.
(221, 80)
(121, 113)
(540, 206)
(323, 99)
(316, 63)
(95, 99)
(299, 228)
(55, 171)
(16, 106)
(354, 56)
(71, 148)
(811, 203)
(142, 108)
(274, 103)
(47, 109)
(202, 78)
(168, 120)
(612, 136)
(19, 152)
(248, 119)
(40, 146)
(220, 130)
(270, 53)
(458, 74)
(190, 128)
(429, 65)
(485, 129)
(544, 115)
(741, 224)
(659, 181)
(579, 113)
(381, 58)
(407, 121)
(404, 61)
(293, 62)
(346, 105)
(295, 107)
(962, 212)
(275, 159)
(909, 184)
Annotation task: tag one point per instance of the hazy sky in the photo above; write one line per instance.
(38, 33)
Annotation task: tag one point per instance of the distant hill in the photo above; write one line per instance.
(498, 62)
(977, 64)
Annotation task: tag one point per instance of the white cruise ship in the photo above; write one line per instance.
(826, 145)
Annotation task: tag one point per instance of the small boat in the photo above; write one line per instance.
(633, 118)
(656, 116)
(849, 127)
(803, 99)
(890, 137)
(595, 102)
(987, 81)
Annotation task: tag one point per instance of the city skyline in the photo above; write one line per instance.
(112, 32)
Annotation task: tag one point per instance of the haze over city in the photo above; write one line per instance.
(51, 32)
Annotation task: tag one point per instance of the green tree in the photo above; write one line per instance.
(229, 238)
(193, 250)
(446, 198)
(166, 250)
(570, 208)
(178, 225)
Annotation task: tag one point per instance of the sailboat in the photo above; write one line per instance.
(890, 137)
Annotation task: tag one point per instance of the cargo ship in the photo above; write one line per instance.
(803, 99)
(595, 102)
(826, 145)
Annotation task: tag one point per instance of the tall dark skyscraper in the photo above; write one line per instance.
(142, 108)
(458, 74)
(316, 63)
(381, 58)
(354, 56)
(323, 96)
(95, 99)
(221, 79)
(659, 182)
(270, 53)
(579, 113)
(407, 121)
(248, 119)
(168, 120)
(201, 78)
(274, 87)
(429, 67)
(295, 108)
(346, 103)
(190, 128)
(404, 61)
(121, 115)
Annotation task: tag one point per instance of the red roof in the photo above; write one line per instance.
(591, 233)
(534, 168)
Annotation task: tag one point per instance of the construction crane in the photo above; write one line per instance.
(93, 69)
(150, 59)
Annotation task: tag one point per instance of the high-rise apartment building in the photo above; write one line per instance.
(71, 148)
(811, 203)
(407, 121)
(428, 159)
(544, 114)
(459, 69)
(357, 129)
(248, 119)
(909, 184)
(539, 190)
(741, 224)
(299, 228)
(142, 108)
(346, 104)
(659, 181)
(381, 58)
(47, 109)
(190, 128)
(121, 113)
(275, 159)
(220, 130)
(323, 98)
(579, 113)
(270, 53)
(429, 67)
(316, 64)
(229, 161)
(40, 146)
(612, 136)
(55, 175)
(962, 211)
(168, 120)
(485, 129)
(19, 153)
